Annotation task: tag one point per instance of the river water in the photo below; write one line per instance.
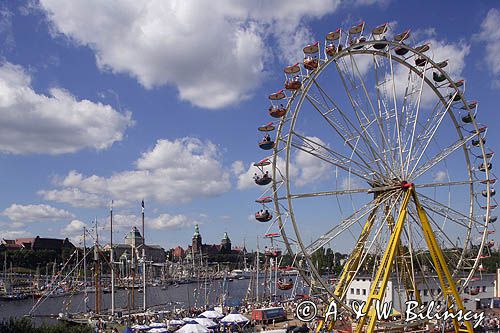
(183, 296)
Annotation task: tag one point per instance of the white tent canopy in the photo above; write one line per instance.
(193, 327)
(206, 322)
(158, 330)
(234, 318)
(212, 314)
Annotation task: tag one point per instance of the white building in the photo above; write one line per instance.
(482, 287)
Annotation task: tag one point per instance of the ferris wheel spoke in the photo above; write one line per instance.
(314, 145)
(340, 192)
(345, 224)
(381, 105)
(367, 138)
(415, 119)
(377, 118)
(332, 160)
(398, 125)
(429, 133)
(442, 184)
(448, 212)
(355, 148)
(430, 163)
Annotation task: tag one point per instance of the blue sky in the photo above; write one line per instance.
(114, 100)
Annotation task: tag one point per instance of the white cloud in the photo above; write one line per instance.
(237, 167)
(440, 176)
(13, 234)
(490, 34)
(125, 222)
(31, 213)
(310, 167)
(54, 124)
(172, 172)
(213, 54)
(74, 227)
(73, 196)
(167, 221)
(74, 232)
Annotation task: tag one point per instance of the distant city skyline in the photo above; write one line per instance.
(160, 101)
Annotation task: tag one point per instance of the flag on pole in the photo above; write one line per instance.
(142, 204)
(111, 206)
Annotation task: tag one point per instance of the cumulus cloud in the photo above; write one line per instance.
(74, 227)
(53, 124)
(74, 196)
(164, 221)
(167, 221)
(172, 172)
(310, 167)
(490, 34)
(440, 176)
(31, 213)
(13, 234)
(74, 231)
(213, 54)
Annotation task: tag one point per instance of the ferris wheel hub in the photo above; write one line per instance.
(406, 185)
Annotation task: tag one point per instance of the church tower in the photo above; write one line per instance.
(225, 244)
(196, 245)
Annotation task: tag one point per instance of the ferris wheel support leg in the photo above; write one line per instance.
(379, 283)
(445, 278)
(350, 267)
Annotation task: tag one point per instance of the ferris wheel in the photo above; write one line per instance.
(375, 151)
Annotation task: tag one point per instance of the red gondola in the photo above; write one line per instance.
(311, 63)
(285, 285)
(475, 291)
(293, 84)
(277, 112)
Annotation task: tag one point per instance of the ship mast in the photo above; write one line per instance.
(96, 271)
(85, 269)
(257, 271)
(143, 262)
(112, 261)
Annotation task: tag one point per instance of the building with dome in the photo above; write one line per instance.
(134, 244)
